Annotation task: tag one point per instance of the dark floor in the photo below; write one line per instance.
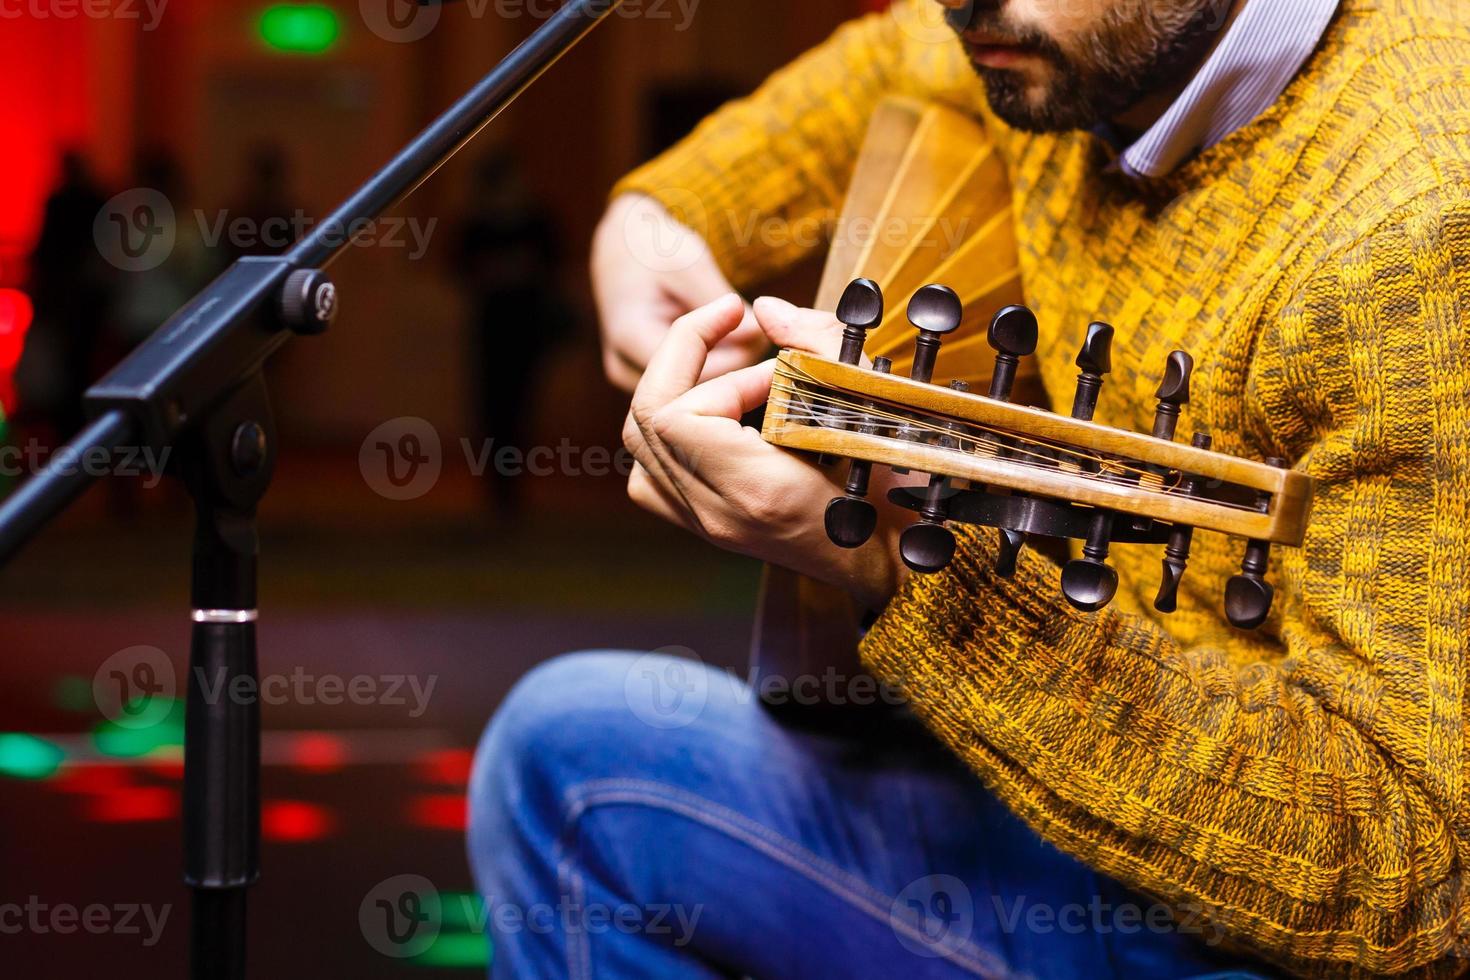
(435, 613)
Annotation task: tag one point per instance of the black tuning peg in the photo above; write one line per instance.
(1012, 335)
(850, 519)
(859, 310)
(928, 546)
(1173, 392)
(1011, 543)
(1248, 595)
(1089, 582)
(1095, 359)
(936, 310)
(1176, 552)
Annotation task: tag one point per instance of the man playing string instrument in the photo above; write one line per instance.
(1277, 186)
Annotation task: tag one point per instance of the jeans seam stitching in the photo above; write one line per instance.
(859, 894)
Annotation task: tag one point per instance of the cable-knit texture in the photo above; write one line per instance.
(1304, 784)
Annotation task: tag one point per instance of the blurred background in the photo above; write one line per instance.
(145, 146)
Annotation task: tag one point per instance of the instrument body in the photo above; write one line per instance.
(928, 197)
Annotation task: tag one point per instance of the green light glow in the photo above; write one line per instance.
(27, 757)
(461, 912)
(74, 693)
(300, 28)
(464, 950)
(122, 742)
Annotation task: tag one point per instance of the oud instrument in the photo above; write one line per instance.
(1027, 471)
(929, 204)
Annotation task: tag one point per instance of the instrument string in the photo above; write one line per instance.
(810, 403)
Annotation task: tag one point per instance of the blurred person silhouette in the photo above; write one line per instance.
(508, 257)
(71, 286)
(145, 299)
(267, 204)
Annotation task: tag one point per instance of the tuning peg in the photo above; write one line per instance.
(1248, 595)
(928, 546)
(859, 310)
(1089, 582)
(1095, 359)
(936, 310)
(1011, 543)
(1012, 335)
(1173, 392)
(1176, 552)
(850, 519)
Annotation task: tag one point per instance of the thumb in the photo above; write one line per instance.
(802, 329)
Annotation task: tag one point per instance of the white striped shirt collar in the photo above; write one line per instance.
(1260, 54)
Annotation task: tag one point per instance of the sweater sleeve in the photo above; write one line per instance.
(1303, 789)
(762, 178)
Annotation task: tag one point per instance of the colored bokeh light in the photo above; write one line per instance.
(25, 756)
(73, 692)
(136, 804)
(295, 822)
(16, 313)
(450, 767)
(299, 28)
(439, 811)
(123, 742)
(462, 950)
(317, 752)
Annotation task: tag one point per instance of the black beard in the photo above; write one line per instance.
(1076, 99)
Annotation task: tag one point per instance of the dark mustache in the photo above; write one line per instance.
(972, 19)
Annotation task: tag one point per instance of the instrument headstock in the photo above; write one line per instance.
(1023, 470)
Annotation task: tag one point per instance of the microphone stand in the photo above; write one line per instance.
(196, 386)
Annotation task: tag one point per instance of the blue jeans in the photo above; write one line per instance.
(643, 817)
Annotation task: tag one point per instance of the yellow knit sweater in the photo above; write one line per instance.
(1305, 785)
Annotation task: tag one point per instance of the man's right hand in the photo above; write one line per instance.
(647, 271)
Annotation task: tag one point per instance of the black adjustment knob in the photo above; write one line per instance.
(1012, 335)
(1095, 359)
(859, 310)
(936, 310)
(850, 519)
(1089, 582)
(1173, 392)
(928, 546)
(1176, 551)
(308, 301)
(1248, 596)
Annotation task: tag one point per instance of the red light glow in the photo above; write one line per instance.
(134, 805)
(295, 822)
(439, 811)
